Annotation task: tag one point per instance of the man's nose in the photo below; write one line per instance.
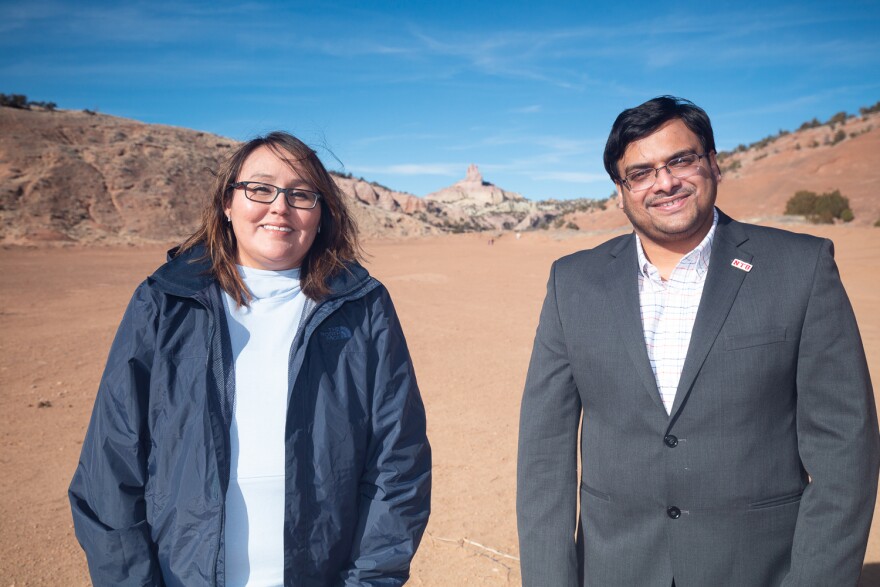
(665, 180)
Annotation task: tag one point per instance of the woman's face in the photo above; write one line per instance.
(272, 236)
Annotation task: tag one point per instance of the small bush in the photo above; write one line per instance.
(877, 223)
(14, 101)
(731, 167)
(811, 124)
(839, 118)
(801, 204)
(572, 226)
(838, 136)
(868, 110)
(820, 209)
(20, 101)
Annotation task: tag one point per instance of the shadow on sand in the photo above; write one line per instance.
(870, 575)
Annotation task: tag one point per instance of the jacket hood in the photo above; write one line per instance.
(188, 273)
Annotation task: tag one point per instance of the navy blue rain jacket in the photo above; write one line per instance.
(148, 493)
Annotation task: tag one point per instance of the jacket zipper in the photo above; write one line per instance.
(212, 330)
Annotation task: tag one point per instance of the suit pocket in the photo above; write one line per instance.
(752, 339)
(775, 501)
(594, 492)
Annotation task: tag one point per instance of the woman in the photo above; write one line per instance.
(258, 421)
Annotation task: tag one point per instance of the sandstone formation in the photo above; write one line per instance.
(476, 204)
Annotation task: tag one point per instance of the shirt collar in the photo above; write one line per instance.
(699, 256)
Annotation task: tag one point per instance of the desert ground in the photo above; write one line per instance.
(469, 311)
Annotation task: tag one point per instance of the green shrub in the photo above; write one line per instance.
(14, 101)
(820, 209)
(875, 108)
(731, 167)
(839, 118)
(877, 223)
(838, 136)
(20, 101)
(801, 204)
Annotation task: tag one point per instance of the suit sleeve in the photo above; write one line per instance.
(837, 438)
(395, 493)
(107, 490)
(547, 487)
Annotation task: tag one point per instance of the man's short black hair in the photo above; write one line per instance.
(636, 123)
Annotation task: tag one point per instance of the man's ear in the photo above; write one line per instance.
(619, 188)
(713, 165)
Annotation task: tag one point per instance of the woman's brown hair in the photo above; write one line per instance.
(335, 244)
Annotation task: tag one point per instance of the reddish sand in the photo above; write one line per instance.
(469, 311)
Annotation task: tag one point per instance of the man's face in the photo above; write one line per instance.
(674, 213)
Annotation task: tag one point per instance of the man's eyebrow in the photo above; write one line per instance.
(679, 153)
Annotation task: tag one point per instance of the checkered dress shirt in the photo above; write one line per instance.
(669, 309)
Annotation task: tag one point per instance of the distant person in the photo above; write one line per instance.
(258, 421)
(711, 374)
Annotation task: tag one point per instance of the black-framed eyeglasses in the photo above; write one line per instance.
(265, 193)
(680, 167)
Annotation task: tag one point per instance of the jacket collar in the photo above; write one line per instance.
(189, 273)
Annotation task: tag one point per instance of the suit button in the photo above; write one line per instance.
(673, 512)
(670, 440)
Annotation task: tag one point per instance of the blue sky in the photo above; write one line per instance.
(409, 93)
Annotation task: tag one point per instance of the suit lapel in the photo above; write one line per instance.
(722, 285)
(621, 279)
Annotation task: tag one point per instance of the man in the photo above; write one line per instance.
(715, 373)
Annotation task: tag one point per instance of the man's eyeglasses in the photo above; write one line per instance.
(680, 167)
(265, 193)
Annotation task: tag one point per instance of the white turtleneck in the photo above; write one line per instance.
(261, 335)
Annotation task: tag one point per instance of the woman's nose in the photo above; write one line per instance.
(280, 204)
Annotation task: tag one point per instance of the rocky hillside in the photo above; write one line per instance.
(92, 178)
(85, 177)
(842, 153)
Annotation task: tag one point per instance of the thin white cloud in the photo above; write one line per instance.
(443, 169)
(533, 109)
(398, 138)
(570, 176)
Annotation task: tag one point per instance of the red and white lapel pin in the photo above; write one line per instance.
(742, 265)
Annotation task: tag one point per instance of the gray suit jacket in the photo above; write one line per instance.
(765, 474)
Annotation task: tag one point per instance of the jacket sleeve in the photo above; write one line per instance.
(107, 491)
(395, 488)
(837, 438)
(547, 487)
